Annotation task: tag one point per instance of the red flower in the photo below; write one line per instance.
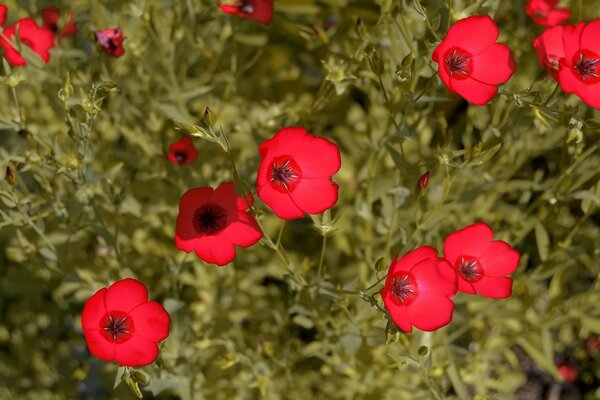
(182, 152)
(212, 222)
(50, 18)
(550, 49)
(418, 289)
(545, 12)
(111, 41)
(568, 372)
(294, 176)
(120, 324)
(39, 39)
(3, 10)
(580, 69)
(257, 10)
(471, 63)
(481, 263)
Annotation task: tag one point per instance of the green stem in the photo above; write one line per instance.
(320, 270)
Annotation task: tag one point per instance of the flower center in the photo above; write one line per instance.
(458, 63)
(469, 268)
(209, 219)
(116, 327)
(284, 173)
(404, 288)
(180, 156)
(587, 65)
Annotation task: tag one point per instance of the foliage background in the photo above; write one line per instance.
(96, 201)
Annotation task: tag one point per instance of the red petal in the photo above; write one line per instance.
(243, 232)
(435, 275)
(494, 287)
(40, 40)
(590, 37)
(399, 315)
(411, 259)
(285, 142)
(495, 65)
(93, 311)
(185, 233)
(216, 249)
(281, 203)
(136, 352)
(98, 345)
(571, 84)
(472, 240)
(571, 39)
(3, 10)
(318, 158)
(558, 16)
(244, 203)
(151, 321)
(314, 196)
(430, 312)
(125, 295)
(193, 199)
(499, 259)
(476, 34)
(226, 197)
(443, 74)
(448, 42)
(464, 286)
(50, 17)
(473, 91)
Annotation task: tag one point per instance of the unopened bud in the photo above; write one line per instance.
(11, 176)
(376, 62)
(359, 28)
(210, 117)
(423, 181)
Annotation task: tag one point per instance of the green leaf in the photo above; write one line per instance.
(543, 241)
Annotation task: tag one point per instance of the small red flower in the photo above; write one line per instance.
(418, 289)
(471, 63)
(568, 372)
(545, 12)
(550, 49)
(480, 262)
(39, 39)
(580, 69)
(3, 10)
(120, 324)
(294, 176)
(212, 223)
(182, 152)
(111, 41)
(50, 18)
(257, 10)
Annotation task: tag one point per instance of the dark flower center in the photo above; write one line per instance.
(587, 65)
(458, 63)
(284, 173)
(180, 156)
(469, 268)
(404, 288)
(116, 327)
(209, 219)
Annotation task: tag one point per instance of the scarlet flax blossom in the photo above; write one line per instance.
(182, 152)
(471, 63)
(481, 263)
(212, 223)
(111, 41)
(545, 12)
(580, 67)
(3, 10)
(38, 39)
(294, 176)
(550, 49)
(257, 10)
(418, 290)
(121, 325)
(50, 20)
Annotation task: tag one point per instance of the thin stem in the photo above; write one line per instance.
(320, 270)
(553, 94)
(388, 103)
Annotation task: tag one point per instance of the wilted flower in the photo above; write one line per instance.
(39, 39)
(182, 152)
(111, 41)
(545, 12)
(257, 10)
(120, 324)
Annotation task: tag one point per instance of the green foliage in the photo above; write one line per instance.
(299, 315)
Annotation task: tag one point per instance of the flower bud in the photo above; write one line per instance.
(210, 117)
(11, 176)
(423, 181)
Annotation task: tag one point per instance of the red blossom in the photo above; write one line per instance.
(550, 49)
(212, 223)
(580, 66)
(257, 10)
(121, 325)
(50, 18)
(294, 176)
(471, 63)
(111, 41)
(545, 12)
(39, 39)
(182, 152)
(481, 262)
(418, 289)
(568, 372)
(3, 10)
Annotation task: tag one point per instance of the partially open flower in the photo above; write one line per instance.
(38, 39)
(212, 223)
(50, 19)
(471, 63)
(545, 12)
(120, 324)
(111, 41)
(257, 10)
(294, 176)
(550, 49)
(418, 290)
(182, 152)
(481, 262)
